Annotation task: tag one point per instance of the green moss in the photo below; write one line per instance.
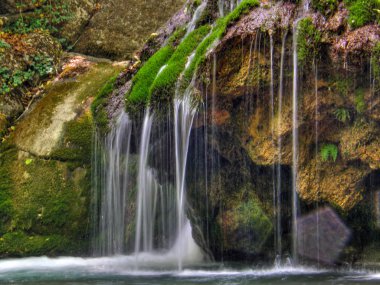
(217, 32)
(163, 87)
(77, 141)
(142, 81)
(7, 154)
(362, 12)
(100, 101)
(308, 41)
(19, 244)
(359, 101)
(49, 199)
(375, 63)
(145, 82)
(249, 226)
(325, 7)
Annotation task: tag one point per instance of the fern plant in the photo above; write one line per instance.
(342, 115)
(329, 151)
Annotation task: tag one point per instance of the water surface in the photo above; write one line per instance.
(157, 269)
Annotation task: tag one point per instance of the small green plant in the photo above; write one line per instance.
(39, 67)
(325, 7)
(4, 45)
(342, 115)
(47, 15)
(359, 101)
(308, 41)
(329, 151)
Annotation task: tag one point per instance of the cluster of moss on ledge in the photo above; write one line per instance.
(97, 107)
(375, 62)
(150, 86)
(163, 87)
(362, 12)
(308, 41)
(142, 81)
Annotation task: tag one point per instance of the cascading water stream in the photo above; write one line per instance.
(146, 185)
(295, 147)
(279, 146)
(183, 120)
(295, 140)
(316, 154)
(274, 180)
(113, 171)
(197, 14)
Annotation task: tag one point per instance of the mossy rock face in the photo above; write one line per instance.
(66, 100)
(244, 224)
(45, 166)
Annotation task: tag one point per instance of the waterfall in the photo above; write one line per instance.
(276, 215)
(316, 154)
(295, 146)
(111, 189)
(146, 193)
(161, 226)
(279, 146)
(197, 14)
(183, 120)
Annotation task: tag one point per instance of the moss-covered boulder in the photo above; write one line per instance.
(245, 226)
(45, 166)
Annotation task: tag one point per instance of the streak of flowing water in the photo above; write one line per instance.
(146, 184)
(183, 120)
(197, 14)
(113, 170)
(316, 155)
(279, 145)
(275, 214)
(295, 148)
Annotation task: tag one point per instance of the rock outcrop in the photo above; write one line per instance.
(45, 165)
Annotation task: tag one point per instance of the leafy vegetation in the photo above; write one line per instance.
(47, 15)
(39, 67)
(4, 45)
(308, 41)
(329, 151)
(342, 115)
(362, 12)
(359, 101)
